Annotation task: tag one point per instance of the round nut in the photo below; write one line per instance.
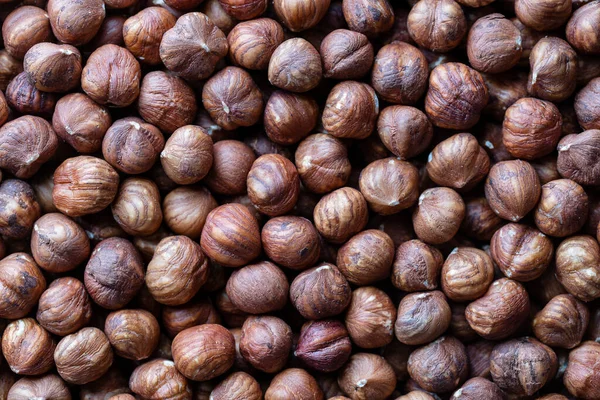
(292, 242)
(578, 267)
(237, 386)
(273, 184)
(494, 44)
(52, 67)
(188, 155)
(232, 161)
(578, 157)
(422, 317)
(544, 15)
(579, 379)
(23, 28)
(133, 334)
(75, 23)
(323, 345)
(64, 307)
(295, 66)
(341, 214)
(367, 376)
(404, 130)
(467, 274)
(49, 386)
(370, 318)
(27, 347)
(553, 216)
(562, 322)
(252, 43)
(437, 25)
(266, 343)
(290, 117)
(293, 384)
(142, 33)
(22, 285)
(417, 266)
(438, 215)
(369, 17)
(346, 55)
(367, 257)
(159, 379)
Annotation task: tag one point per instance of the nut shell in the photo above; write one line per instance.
(370, 17)
(580, 378)
(417, 266)
(186, 208)
(323, 345)
(341, 214)
(553, 70)
(23, 28)
(292, 242)
(137, 207)
(76, 23)
(367, 257)
(295, 66)
(232, 161)
(143, 32)
(437, 25)
(405, 131)
(494, 44)
(252, 43)
(551, 215)
(438, 215)
(188, 155)
(290, 117)
(578, 157)
(52, 67)
(346, 55)
(581, 32)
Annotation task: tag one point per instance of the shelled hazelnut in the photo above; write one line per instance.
(64, 307)
(370, 17)
(324, 345)
(346, 54)
(367, 376)
(159, 378)
(416, 267)
(76, 24)
(299, 16)
(562, 322)
(437, 25)
(252, 43)
(586, 105)
(293, 384)
(133, 334)
(237, 385)
(22, 96)
(579, 379)
(370, 318)
(578, 266)
(273, 184)
(494, 44)
(580, 29)
(466, 274)
(232, 161)
(22, 284)
(544, 15)
(9, 67)
(185, 210)
(552, 218)
(49, 386)
(341, 214)
(578, 157)
(295, 65)
(412, 327)
(438, 215)
(289, 117)
(404, 130)
(53, 68)
(266, 343)
(292, 242)
(27, 347)
(187, 155)
(137, 208)
(553, 70)
(23, 28)
(143, 32)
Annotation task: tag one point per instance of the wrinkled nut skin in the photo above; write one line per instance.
(273, 184)
(467, 274)
(292, 242)
(501, 311)
(294, 384)
(76, 23)
(23, 97)
(369, 17)
(324, 345)
(521, 252)
(238, 385)
(26, 143)
(215, 12)
(27, 347)
(290, 117)
(137, 208)
(481, 222)
(522, 366)
(266, 343)
(512, 189)
(346, 55)
(370, 318)
(553, 216)
(415, 395)
(579, 157)
(562, 322)
(23, 28)
(448, 103)
(22, 285)
(367, 376)
(553, 70)
(581, 378)
(581, 32)
(252, 43)
(9, 65)
(295, 65)
(341, 214)
(114, 273)
(320, 292)
(52, 67)
(478, 388)
(400, 73)
(437, 25)
(422, 317)
(48, 386)
(185, 210)
(19, 209)
(143, 32)
(159, 379)
(543, 15)
(404, 130)
(416, 267)
(232, 161)
(64, 307)
(504, 90)
(195, 312)
(187, 155)
(367, 257)
(479, 358)
(586, 105)
(494, 44)
(244, 9)
(133, 334)
(578, 267)
(298, 15)
(83, 356)
(438, 215)
(231, 235)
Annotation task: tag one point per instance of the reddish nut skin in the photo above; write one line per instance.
(522, 366)
(75, 23)
(481, 222)
(113, 382)
(292, 242)
(295, 66)
(562, 322)
(552, 216)
(447, 103)
(586, 105)
(478, 388)
(341, 214)
(232, 161)
(581, 378)
(467, 274)
(50, 386)
(404, 130)
(159, 379)
(400, 73)
(459, 326)
(19, 209)
(370, 318)
(553, 396)
(367, 376)
(578, 267)
(23, 97)
(52, 67)
(195, 312)
(273, 184)
(440, 366)
(494, 44)
(521, 252)
(26, 143)
(187, 155)
(366, 257)
(294, 384)
(501, 311)
(143, 32)
(552, 77)
(266, 343)
(371, 18)
(438, 215)
(290, 117)
(479, 358)
(133, 334)
(231, 235)
(252, 43)
(24, 27)
(437, 25)
(215, 12)
(544, 15)
(417, 266)
(324, 345)
(137, 207)
(422, 317)
(22, 285)
(27, 347)
(346, 55)
(415, 395)
(298, 15)
(64, 307)
(9, 65)
(512, 189)
(244, 9)
(504, 90)
(581, 32)
(238, 385)
(186, 208)
(578, 157)
(110, 32)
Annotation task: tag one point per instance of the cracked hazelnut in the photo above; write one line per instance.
(367, 376)
(23, 28)
(366, 257)
(27, 347)
(323, 345)
(252, 43)
(52, 67)
(133, 334)
(578, 157)
(437, 25)
(467, 274)
(238, 385)
(341, 214)
(369, 17)
(273, 184)
(187, 155)
(142, 33)
(404, 130)
(494, 44)
(293, 384)
(553, 217)
(422, 317)
(185, 210)
(48, 386)
(266, 343)
(581, 379)
(578, 267)
(292, 242)
(23, 97)
(478, 388)
(346, 55)
(438, 215)
(553, 70)
(295, 65)
(22, 285)
(543, 15)
(370, 318)
(232, 161)
(581, 30)
(562, 322)
(258, 288)
(64, 307)
(417, 266)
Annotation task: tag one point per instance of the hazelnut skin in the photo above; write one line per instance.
(266, 343)
(110, 32)
(580, 379)
(578, 267)
(53, 68)
(195, 312)
(133, 334)
(187, 155)
(252, 43)
(366, 257)
(553, 217)
(293, 384)
(238, 385)
(23, 97)
(581, 32)
(370, 318)
(186, 208)
(478, 388)
(159, 379)
(143, 32)
(438, 215)
(47, 386)
(64, 307)
(290, 117)
(504, 90)
(22, 285)
(298, 15)
(232, 161)
(295, 66)
(244, 9)
(494, 44)
(437, 25)
(586, 105)
(562, 322)
(137, 208)
(479, 357)
(481, 222)
(578, 157)
(404, 130)
(422, 317)
(231, 235)
(467, 274)
(416, 267)
(9, 65)
(544, 15)
(83, 356)
(552, 77)
(273, 184)
(292, 242)
(112, 383)
(215, 12)
(27, 347)
(416, 395)
(341, 214)
(23, 28)
(19, 209)
(369, 17)
(324, 345)
(367, 376)
(76, 23)
(346, 55)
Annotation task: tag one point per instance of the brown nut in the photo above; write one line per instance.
(137, 207)
(553, 217)
(417, 266)
(110, 32)
(159, 379)
(494, 44)
(504, 90)
(187, 155)
(244, 9)
(580, 378)
(48, 386)
(404, 130)
(238, 385)
(186, 208)
(113, 382)
(273, 184)
(143, 32)
(544, 15)
(290, 117)
(422, 317)
(366, 257)
(438, 215)
(27, 347)
(467, 274)
(64, 307)
(299, 15)
(586, 105)
(416, 395)
(581, 32)
(252, 43)
(341, 214)
(23, 28)
(484, 316)
(76, 23)
(9, 65)
(481, 222)
(133, 334)
(215, 12)
(562, 322)
(578, 267)
(293, 384)
(232, 161)
(578, 157)
(370, 318)
(195, 312)
(479, 358)
(478, 388)
(83, 356)
(459, 326)
(323, 345)
(22, 285)
(553, 70)
(295, 66)
(370, 17)
(367, 376)
(266, 343)
(292, 242)
(346, 55)
(437, 25)
(52, 67)
(23, 97)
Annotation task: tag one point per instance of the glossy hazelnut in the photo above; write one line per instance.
(186, 208)
(273, 184)
(159, 379)
(346, 55)
(551, 215)
(244, 9)
(9, 66)
(580, 378)
(295, 66)
(24, 27)
(83, 356)
(341, 214)
(196, 312)
(27, 347)
(481, 222)
(494, 44)
(298, 16)
(143, 32)
(586, 105)
(422, 317)
(504, 90)
(416, 267)
(367, 257)
(512, 189)
(217, 14)
(578, 157)
(290, 117)
(553, 70)
(293, 384)
(350, 111)
(110, 32)
(251, 43)
(259, 288)
(546, 168)
(467, 274)
(137, 207)
(187, 155)
(238, 385)
(543, 15)
(369, 17)
(478, 388)
(232, 161)
(416, 395)
(367, 376)
(501, 310)
(404, 130)
(22, 284)
(64, 307)
(292, 242)
(47, 386)
(578, 267)
(370, 318)
(521, 252)
(23, 97)
(581, 32)
(438, 215)
(133, 334)
(77, 23)
(437, 25)
(266, 343)
(323, 345)
(53, 68)
(562, 322)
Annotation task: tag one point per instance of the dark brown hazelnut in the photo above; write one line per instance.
(562, 322)
(579, 158)
(478, 388)
(324, 345)
(367, 376)
(586, 105)
(133, 334)
(467, 274)
(501, 311)
(290, 117)
(293, 384)
(370, 17)
(266, 343)
(112, 383)
(259, 288)
(438, 215)
(298, 15)
(417, 266)
(110, 32)
(159, 379)
(186, 208)
(83, 356)
(27, 347)
(26, 143)
(459, 326)
(64, 307)
(581, 379)
(251, 43)
(22, 284)
(479, 357)
(396, 354)
(244, 9)
(553, 70)
(366, 257)
(295, 66)
(437, 25)
(553, 396)
(341, 214)
(143, 32)
(553, 217)
(512, 189)
(404, 130)
(137, 207)
(19, 209)
(273, 184)
(52, 67)
(292, 242)
(24, 27)
(215, 12)
(546, 287)
(422, 317)
(166, 101)
(23, 97)
(494, 44)
(504, 90)
(232, 161)
(581, 32)
(370, 318)
(480, 222)
(546, 168)
(238, 385)
(196, 312)
(177, 6)
(346, 55)
(9, 66)
(543, 15)
(75, 23)
(187, 155)
(578, 267)
(48, 386)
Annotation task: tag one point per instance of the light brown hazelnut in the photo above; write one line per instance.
(562, 322)
(580, 379)
(159, 379)
(478, 388)
(266, 343)
(53, 68)
(553, 217)
(133, 334)
(298, 16)
(273, 184)
(578, 267)
(346, 55)
(295, 66)
(437, 25)
(137, 208)
(187, 155)
(367, 376)
(404, 130)
(553, 70)
(416, 395)
(232, 161)
(24, 27)
(370, 17)
(438, 215)
(366, 257)
(417, 266)
(293, 384)
(544, 15)
(422, 317)
(252, 43)
(27, 347)
(370, 318)
(494, 44)
(23, 97)
(22, 285)
(75, 23)
(47, 386)
(578, 157)
(467, 274)
(341, 214)
(64, 307)
(323, 345)
(186, 208)
(244, 9)
(292, 242)
(143, 32)
(238, 385)
(9, 65)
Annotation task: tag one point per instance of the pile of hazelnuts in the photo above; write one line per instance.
(300, 199)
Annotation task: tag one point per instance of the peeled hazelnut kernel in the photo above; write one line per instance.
(543, 15)
(251, 43)
(83, 356)
(238, 385)
(417, 266)
(78, 23)
(24, 98)
(27, 347)
(578, 267)
(323, 345)
(478, 388)
(581, 379)
(186, 208)
(521, 252)
(159, 379)
(512, 189)
(501, 311)
(133, 334)
(404, 130)
(553, 70)
(232, 161)
(467, 274)
(553, 216)
(481, 222)
(273, 184)
(23, 28)
(369, 17)
(64, 307)
(370, 318)
(562, 322)
(298, 15)
(290, 117)
(266, 343)
(458, 162)
(143, 32)
(581, 32)
(437, 25)
(320, 292)
(22, 284)
(292, 242)
(9, 65)
(346, 55)
(367, 257)
(19, 209)
(367, 376)
(422, 317)
(187, 155)
(341, 214)
(494, 44)
(293, 384)
(449, 104)
(295, 66)
(578, 157)
(47, 386)
(438, 215)
(52, 67)
(195, 312)
(137, 208)
(416, 395)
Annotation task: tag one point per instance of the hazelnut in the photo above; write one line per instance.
(478, 388)
(290, 117)
(26, 143)
(137, 207)
(546, 169)
(367, 376)
(53, 68)
(512, 189)
(581, 379)
(111, 76)
(341, 214)
(110, 32)
(521, 252)
(295, 65)
(481, 222)
(238, 385)
(252, 43)
(553, 70)
(346, 55)
(467, 274)
(177, 271)
(22, 28)
(438, 215)
(586, 105)
(416, 395)
(369, 17)
(292, 242)
(4, 110)
(396, 354)
(553, 396)
(501, 310)
(215, 12)
(159, 379)
(186, 208)
(27, 347)
(578, 157)
(422, 317)
(64, 307)
(23, 97)
(293, 384)
(320, 292)
(551, 215)
(78, 23)
(504, 90)
(437, 25)
(181, 5)
(581, 32)
(83, 356)
(196, 312)
(494, 44)
(273, 184)
(522, 366)
(143, 32)
(9, 65)
(479, 357)
(166, 101)
(370, 318)
(232, 161)
(544, 15)
(324, 345)
(81, 122)
(417, 266)
(562, 322)
(112, 383)
(298, 15)
(22, 284)
(459, 326)
(132, 333)
(578, 267)
(404, 130)
(48, 386)
(367, 257)
(114, 273)
(231, 235)
(266, 343)
(187, 155)
(244, 9)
